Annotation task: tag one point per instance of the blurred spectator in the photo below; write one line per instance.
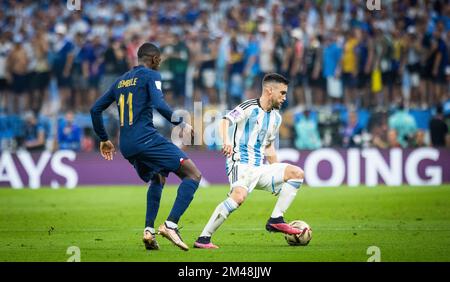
(382, 79)
(296, 67)
(307, 133)
(331, 57)
(115, 63)
(182, 57)
(17, 64)
(34, 133)
(438, 129)
(174, 68)
(365, 64)
(379, 130)
(329, 127)
(7, 132)
(79, 71)
(41, 76)
(251, 66)
(281, 43)
(404, 125)
(217, 52)
(312, 70)
(69, 134)
(412, 62)
(87, 141)
(222, 66)
(63, 55)
(207, 66)
(393, 139)
(440, 63)
(350, 69)
(95, 50)
(132, 48)
(398, 46)
(287, 130)
(266, 47)
(5, 48)
(419, 139)
(351, 135)
(235, 68)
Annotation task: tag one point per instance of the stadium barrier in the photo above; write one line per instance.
(323, 167)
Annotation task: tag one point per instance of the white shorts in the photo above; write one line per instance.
(266, 177)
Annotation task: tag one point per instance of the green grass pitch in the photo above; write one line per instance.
(405, 223)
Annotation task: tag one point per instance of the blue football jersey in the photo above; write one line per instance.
(136, 93)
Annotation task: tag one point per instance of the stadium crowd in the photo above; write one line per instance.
(359, 77)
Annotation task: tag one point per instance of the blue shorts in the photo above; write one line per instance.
(160, 157)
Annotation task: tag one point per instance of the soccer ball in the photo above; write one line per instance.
(301, 239)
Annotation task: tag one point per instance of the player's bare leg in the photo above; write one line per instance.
(220, 214)
(190, 176)
(293, 179)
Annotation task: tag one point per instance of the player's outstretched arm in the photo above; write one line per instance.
(164, 109)
(158, 102)
(106, 147)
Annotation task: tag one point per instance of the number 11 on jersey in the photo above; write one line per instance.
(122, 108)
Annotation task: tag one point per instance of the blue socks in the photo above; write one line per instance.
(185, 195)
(153, 199)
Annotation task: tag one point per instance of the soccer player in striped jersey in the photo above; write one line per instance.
(255, 124)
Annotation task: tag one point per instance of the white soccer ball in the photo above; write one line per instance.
(301, 239)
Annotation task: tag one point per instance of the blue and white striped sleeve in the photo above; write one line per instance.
(277, 125)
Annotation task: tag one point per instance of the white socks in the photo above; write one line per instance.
(151, 229)
(171, 224)
(287, 195)
(218, 217)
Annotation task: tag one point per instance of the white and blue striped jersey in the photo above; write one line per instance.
(251, 131)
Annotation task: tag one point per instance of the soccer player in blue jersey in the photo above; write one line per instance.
(137, 93)
(255, 124)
